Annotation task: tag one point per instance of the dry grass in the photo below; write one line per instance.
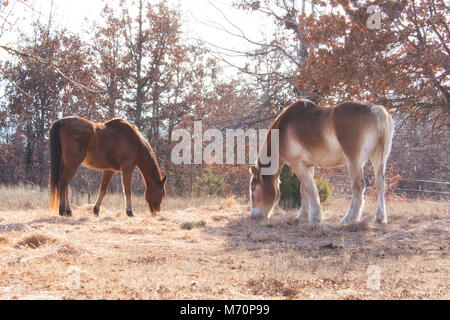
(35, 241)
(211, 249)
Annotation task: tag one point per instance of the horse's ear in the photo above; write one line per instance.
(164, 179)
(254, 171)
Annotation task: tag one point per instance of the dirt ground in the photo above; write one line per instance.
(213, 250)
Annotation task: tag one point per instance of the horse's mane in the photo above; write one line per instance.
(303, 103)
(148, 153)
(146, 148)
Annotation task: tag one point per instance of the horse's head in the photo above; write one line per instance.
(264, 193)
(155, 194)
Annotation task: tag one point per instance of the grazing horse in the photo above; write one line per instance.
(310, 136)
(112, 146)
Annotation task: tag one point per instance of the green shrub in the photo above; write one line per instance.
(178, 183)
(209, 184)
(290, 189)
(324, 188)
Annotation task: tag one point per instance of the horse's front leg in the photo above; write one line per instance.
(310, 195)
(106, 179)
(67, 204)
(127, 175)
(304, 209)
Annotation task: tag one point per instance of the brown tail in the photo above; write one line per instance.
(55, 164)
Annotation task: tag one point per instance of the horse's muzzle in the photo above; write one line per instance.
(256, 213)
(154, 211)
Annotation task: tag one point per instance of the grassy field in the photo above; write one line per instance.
(211, 249)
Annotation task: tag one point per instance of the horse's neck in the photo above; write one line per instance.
(266, 148)
(276, 175)
(148, 169)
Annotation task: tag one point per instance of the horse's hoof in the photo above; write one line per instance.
(130, 213)
(69, 213)
(315, 221)
(381, 221)
(256, 217)
(302, 218)
(96, 211)
(347, 220)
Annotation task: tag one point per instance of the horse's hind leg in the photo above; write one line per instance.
(67, 175)
(379, 168)
(355, 172)
(106, 179)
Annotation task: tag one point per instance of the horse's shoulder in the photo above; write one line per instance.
(116, 122)
(302, 109)
(119, 123)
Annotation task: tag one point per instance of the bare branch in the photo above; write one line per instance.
(49, 62)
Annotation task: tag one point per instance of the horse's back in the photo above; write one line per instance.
(76, 128)
(114, 144)
(353, 114)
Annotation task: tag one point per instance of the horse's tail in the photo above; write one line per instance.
(385, 128)
(55, 164)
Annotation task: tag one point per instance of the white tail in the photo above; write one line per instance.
(385, 125)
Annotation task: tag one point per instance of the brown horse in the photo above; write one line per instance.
(113, 146)
(310, 136)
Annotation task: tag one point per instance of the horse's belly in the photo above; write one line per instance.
(99, 162)
(332, 154)
(329, 161)
(329, 154)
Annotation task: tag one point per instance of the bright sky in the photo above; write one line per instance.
(199, 18)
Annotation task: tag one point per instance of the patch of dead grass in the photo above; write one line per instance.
(273, 287)
(4, 243)
(68, 250)
(361, 226)
(148, 260)
(120, 230)
(35, 241)
(226, 254)
(191, 225)
(268, 237)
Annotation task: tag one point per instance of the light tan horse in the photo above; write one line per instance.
(113, 146)
(310, 136)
